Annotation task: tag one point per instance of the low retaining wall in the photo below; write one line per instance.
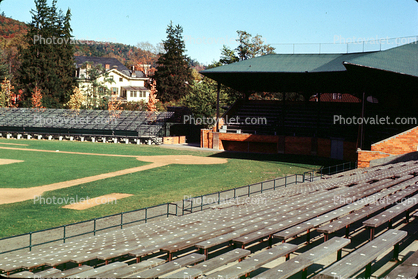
(274, 144)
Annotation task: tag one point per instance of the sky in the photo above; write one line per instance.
(311, 25)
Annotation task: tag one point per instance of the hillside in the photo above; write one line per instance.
(12, 32)
(10, 27)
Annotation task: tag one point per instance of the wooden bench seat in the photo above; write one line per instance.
(23, 274)
(389, 214)
(189, 242)
(94, 273)
(327, 215)
(268, 227)
(252, 263)
(133, 268)
(169, 266)
(66, 273)
(407, 269)
(363, 256)
(354, 207)
(303, 261)
(212, 264)
(49, 273)
(357, 215)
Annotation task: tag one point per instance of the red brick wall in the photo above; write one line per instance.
(324, 147)
(206, 138)
(400, 144)
(365, 156)
(404, 143)
(298, 145)
(273, 144)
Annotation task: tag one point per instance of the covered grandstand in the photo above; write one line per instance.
(387, 78)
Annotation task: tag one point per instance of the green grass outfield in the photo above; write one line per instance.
(150, 187)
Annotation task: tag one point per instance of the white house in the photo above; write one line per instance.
(128, 85)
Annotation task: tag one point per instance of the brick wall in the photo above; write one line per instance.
(273, 144)
(402, 143)
(298, 145)
(324, 148)
(174, 140)
(364, 157)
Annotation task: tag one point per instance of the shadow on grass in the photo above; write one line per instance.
(289, 159)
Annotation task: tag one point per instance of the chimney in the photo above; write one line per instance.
(107, 66)
(146, 67)
(133, 71)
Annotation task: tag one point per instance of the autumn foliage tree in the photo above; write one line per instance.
(77, 100)
(8, 98)
(37, 98)
(114, 106)
(152, 100)
(144, 57)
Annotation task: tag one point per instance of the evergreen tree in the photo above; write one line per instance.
(48, 61)
(173, 73)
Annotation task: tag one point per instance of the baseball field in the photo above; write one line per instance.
(44, 184)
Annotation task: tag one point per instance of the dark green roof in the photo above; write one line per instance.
(403, 59)
(289, 63)
(350, 73)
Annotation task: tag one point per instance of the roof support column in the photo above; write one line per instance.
(217, 105)
(362, 116)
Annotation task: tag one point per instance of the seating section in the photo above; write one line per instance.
(309, 119)
(82, 122)
(211, 243)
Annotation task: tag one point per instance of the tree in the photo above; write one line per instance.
(77, 100)
(249, 47)
(8, 98)
(202, 98)
(173, 75)
(114, 106)
(48, 63)
(152, 100)
(37, 99)
(144, 57)
(94, 84)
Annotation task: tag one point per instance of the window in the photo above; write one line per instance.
(142, 94)
(133, 94)
(115, 91)
(120, 79)
(336, 96)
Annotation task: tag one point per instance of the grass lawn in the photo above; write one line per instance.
(149, 187)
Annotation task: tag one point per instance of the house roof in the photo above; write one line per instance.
(320, 72)
(112, 62)
(80, 60)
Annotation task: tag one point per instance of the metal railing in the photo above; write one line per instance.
(143, 215)
(198, 203)
(93, 226)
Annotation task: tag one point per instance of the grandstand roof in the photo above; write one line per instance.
(315, 72)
